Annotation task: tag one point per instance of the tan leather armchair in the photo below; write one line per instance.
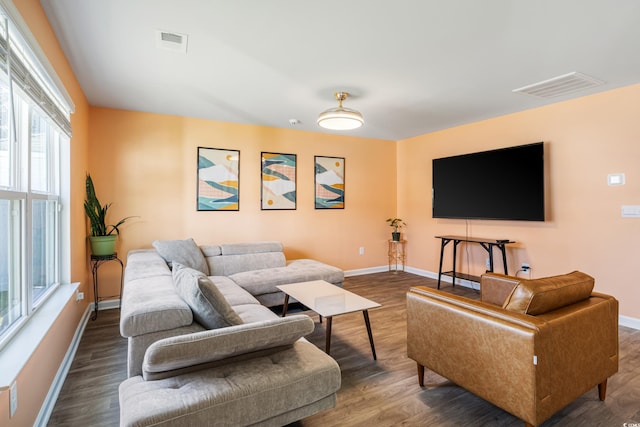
(530, 347)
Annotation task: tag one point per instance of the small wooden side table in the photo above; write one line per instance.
(96, 262)
(397, 254)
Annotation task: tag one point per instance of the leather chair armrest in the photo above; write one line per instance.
(495, 288)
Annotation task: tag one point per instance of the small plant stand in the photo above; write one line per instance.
(96, 262)
(397, 255)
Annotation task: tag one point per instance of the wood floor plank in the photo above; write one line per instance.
(373, 393)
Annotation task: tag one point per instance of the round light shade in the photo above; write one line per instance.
(340, 119)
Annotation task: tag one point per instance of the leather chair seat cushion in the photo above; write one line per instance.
(540, 296)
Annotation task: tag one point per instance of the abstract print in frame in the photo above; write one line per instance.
(278, 190)
(329, 182)
(218, 179)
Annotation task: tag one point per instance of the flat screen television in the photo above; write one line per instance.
(502, 184)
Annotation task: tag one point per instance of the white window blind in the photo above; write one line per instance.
(20, 64)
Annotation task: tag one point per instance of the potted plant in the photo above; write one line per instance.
(396, 224)
(103, 235)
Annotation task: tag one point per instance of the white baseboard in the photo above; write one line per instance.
(369, 270)
(54, 391)
(444, 279)
(629, 322)
(106, 305)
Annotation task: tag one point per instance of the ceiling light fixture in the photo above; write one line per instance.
(340, 118)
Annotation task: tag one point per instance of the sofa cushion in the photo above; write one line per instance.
(145, 263)
(250, 248)
(237, 257)
(550, 293)
(152, 304)
(185, 252)
(233, 293)
(317, 270)
(250, 392)
(250, 313)
(209, 307)
(195, 349)
(227, 265)
(259, 282)
(211, 250)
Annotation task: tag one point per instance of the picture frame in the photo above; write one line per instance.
(278, 178)
(218, 180)
(329, 182)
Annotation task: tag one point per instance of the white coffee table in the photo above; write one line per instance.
(329, 300)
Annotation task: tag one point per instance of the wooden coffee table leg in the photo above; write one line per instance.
(366, 321)
(327, 346)
(285, 305)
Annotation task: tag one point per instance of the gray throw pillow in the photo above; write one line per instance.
(208, 305)
(185, 252)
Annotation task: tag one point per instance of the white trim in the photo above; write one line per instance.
(106, 305)
(369, 270)
(54, 391)
(629, 322)
(444, 279)
(15, 354)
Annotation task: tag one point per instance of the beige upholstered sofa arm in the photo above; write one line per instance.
(185, 353)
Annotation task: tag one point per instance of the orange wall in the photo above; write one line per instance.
(35, 379)
(145, 164)
(585, 139)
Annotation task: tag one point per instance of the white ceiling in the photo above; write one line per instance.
(412, 66)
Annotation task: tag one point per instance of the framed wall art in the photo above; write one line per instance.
(278, 178)
(218, 179)
(329, 182)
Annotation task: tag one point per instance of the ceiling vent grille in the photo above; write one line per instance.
(560, 85)
(171, 41)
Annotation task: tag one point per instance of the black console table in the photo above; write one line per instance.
(97, 261)
(488, 244)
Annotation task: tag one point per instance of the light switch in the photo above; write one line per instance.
(615, 179)
(630, 211)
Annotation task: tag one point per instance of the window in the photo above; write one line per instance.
(34, 127)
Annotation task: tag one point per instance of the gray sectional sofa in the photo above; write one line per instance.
(248, 366)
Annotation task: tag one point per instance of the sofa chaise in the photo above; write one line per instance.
(530, 347)
(202, 350)
(257, 267)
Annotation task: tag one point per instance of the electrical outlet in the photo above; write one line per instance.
(13, 399)
(361, 250)
(79, 296)
(525, 266)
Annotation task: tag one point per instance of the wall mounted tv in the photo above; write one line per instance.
(503, 184)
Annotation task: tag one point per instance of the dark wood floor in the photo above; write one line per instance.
(373, 393)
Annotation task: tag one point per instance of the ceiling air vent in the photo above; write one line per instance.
(560, 85)
(171, 41)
